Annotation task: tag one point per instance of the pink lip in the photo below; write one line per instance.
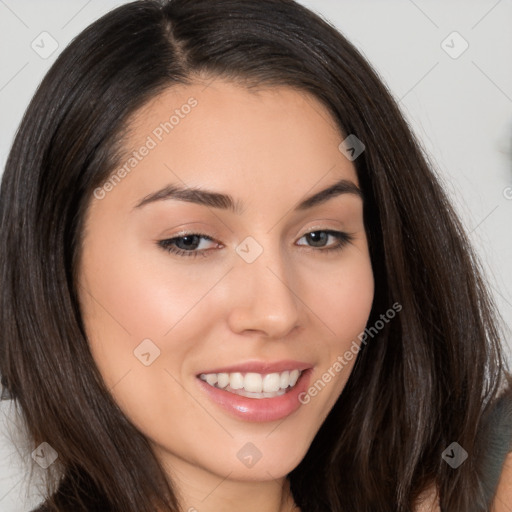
(258, 409)
(262, 367)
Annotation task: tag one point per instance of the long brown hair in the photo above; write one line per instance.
(424, 381)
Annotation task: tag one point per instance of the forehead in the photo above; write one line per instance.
(223, 135)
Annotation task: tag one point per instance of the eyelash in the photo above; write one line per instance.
(167, 244)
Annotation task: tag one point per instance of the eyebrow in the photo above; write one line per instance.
(226, 202)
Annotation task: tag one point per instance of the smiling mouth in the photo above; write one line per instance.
(253, 385)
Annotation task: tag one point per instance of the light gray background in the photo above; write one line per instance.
(461, 109)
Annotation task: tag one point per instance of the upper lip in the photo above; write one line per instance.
(262, 367)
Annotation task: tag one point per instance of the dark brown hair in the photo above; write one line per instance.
(425, 380)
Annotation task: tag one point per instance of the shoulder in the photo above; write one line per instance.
(40, 508)
(429, 501)
(503, 499)
(494, 460)
(497, 470)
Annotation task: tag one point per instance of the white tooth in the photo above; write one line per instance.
(211, 378)
(284, 380)
(223, 380)
(294, 375)
(236, 380)
(271, 383)
(253, 382)
(248, 394)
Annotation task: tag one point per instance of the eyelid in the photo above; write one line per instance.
(185, 233)
(322, 224)
(343, 238)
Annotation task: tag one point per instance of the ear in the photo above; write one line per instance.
(503, 498)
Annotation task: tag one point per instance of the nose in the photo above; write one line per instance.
(263, 298)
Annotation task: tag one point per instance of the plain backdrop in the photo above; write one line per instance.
(446, 62)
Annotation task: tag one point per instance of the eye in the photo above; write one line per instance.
(192, 244)
(320, 239)
(195, 244)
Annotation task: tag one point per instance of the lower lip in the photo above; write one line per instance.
(259, 409)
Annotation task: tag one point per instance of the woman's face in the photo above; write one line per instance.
(275, 280)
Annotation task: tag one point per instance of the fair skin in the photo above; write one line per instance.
(297, 301)
(269, 150)
(503, 499)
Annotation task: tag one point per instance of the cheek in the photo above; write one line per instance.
(124, 302)
(140, 291)
(343, 305)
(138, 294)
(345, 299)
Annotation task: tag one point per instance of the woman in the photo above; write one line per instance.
(230, 279)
